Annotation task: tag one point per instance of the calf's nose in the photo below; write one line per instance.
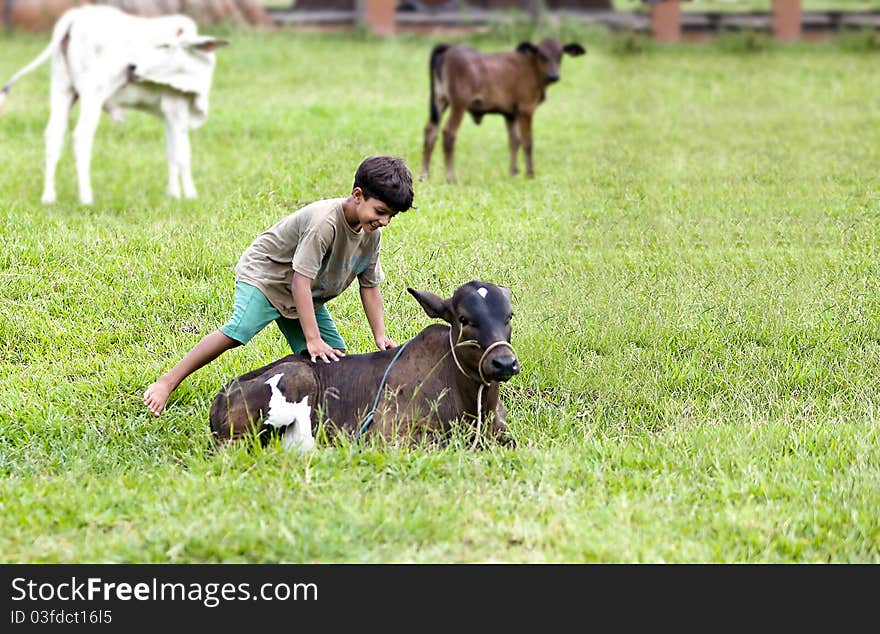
(131, 72)
(505, 366)
(551, 79)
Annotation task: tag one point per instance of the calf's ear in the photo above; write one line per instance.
(433, 305)
(526, 48)
(574, 49)
(206, 44)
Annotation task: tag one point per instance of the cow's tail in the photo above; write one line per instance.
(62, 27)
(434, 69)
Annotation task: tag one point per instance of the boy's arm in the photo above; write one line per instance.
(301, 288)
(371, 298)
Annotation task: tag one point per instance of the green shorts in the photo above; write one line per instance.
(251, 312)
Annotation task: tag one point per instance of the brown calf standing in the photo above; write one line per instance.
(510, 83)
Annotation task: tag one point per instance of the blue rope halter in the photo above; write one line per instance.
(369, 417)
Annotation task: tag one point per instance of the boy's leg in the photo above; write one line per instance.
(209, 348)
(292, 331)
(250, 314)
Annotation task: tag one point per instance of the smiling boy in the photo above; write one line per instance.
(296, 266)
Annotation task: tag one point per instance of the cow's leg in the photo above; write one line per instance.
(512, 141)
(60, 102)
(83, 139)
(171, 139)
(499, 426)
(449, 132)
(185, 161)
(245, 406)
(525, 132)
(175, 112)
(431, 131)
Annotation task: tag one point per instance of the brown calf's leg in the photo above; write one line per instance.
(525, 131)
(512, 142)
(449, 133)
(431, 130)
(438, 107)
(499, 427)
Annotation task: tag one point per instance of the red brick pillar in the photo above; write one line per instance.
(787, 19)
(666, 21)
(36, 15)
(379, 16)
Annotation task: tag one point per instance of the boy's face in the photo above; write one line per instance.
(372, 213)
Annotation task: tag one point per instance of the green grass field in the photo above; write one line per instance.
(695, 279)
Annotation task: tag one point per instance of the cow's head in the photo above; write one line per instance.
(479, 316)
(547, 56)
(182, 60)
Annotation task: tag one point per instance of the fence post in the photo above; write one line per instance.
(666, 20)
(787, 19)
(380, 16)
(534, 10)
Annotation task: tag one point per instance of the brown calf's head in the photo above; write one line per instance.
(547, 56)
(479, 316)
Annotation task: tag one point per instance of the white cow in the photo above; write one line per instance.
(112, 60)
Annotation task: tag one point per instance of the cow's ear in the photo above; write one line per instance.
(574, 49)
(506, 292)
(206, 44)
(526, 48)
(433, 305)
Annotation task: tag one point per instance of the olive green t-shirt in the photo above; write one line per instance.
(314, 241)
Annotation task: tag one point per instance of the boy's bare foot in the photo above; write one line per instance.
(157, 395)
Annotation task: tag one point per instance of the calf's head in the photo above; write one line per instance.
(183, 60)
(479, 317)
(547, 56)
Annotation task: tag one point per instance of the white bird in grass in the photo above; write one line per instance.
(295, 416)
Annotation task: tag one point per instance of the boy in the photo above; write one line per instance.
(293, 268)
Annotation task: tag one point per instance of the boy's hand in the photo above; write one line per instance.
(320, 349)
(383, 343)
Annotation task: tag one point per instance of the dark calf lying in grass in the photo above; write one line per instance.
(510, 83)
(418, 390)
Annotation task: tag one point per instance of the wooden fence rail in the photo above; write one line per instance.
(665, 20)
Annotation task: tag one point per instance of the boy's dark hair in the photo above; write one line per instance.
(386, 178)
